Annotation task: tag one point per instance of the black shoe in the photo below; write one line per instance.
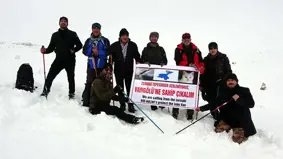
(175, 115)
(190, 114)
(138, 120)
(131, 108)
(71, 96)
(44, 94)
(153, 108)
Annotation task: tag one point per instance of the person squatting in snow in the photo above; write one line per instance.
(101, 94)
(154, 54)
(96, 49)
(188, 54)
(65, 43)
(123, 53)
(236, 114)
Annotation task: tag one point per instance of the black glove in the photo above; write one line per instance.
(118, 89)
(161, 64)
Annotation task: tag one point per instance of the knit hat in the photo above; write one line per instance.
(186, 35)
(154, 34)
(212, 45)
(108, 65)
(65, 18)
(232, 76)
(123, 32)
(96, 25)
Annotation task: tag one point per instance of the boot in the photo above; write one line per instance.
(175, 113)
(153, 107)
(71, 96)
(190, 114)
(45, 92)
(131, 108)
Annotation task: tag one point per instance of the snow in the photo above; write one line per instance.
(249, 32)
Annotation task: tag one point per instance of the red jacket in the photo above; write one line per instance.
(182, 58)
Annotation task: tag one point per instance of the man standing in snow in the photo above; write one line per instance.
(65, 43)
(96, 49)
(154, 54)
(188, 54)
(217, 67)
(101, 94)
(123, 53)
(236, 114)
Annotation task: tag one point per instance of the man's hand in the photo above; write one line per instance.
(95, 51)
(235, 97)
(118, 89)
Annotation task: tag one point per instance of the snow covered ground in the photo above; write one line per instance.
(249, 32)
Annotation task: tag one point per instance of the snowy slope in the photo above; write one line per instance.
(30, 128)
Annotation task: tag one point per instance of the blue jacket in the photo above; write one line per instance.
(101, 44)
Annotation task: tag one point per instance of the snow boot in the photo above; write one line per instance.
(153, 107)
(71, 96)
(239, 135)
(190, 114)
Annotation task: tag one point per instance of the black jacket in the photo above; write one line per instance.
(154, 55)
(121, 65)
(65, 43)
(236, 113)
(216, 68)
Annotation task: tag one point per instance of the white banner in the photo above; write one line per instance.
(169, 86)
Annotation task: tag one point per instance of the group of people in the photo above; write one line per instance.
(218, 84)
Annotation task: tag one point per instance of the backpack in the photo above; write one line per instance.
(25, 80)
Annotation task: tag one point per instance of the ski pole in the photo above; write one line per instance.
(203, 116)
(44, 70)
(143, 112)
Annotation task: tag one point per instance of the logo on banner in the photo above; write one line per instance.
(166, 75)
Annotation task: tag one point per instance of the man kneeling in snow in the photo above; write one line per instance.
(101, 94)
(236, 114)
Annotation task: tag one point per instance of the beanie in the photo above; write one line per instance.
(65, 18)
(96, 25)
(123, 32)
(212, 45)
(186, 35)
(154, 34)
(232, 76)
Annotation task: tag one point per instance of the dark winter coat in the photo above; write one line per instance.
(124, 66)
(216, 68)
(101, 92)
(191, 55)
(154, 55)
(65, 43)
(102, 44)
(236, 113)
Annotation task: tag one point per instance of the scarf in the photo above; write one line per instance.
(124, 50)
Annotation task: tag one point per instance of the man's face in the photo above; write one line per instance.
(96, 31)
(153, 39)
(63, 23)
(231, 83)
(186, 40)
(213, 51)
(107, 73)
(124, 38)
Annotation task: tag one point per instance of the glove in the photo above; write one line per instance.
(161, 64)
(42, 50)
(118, 89)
